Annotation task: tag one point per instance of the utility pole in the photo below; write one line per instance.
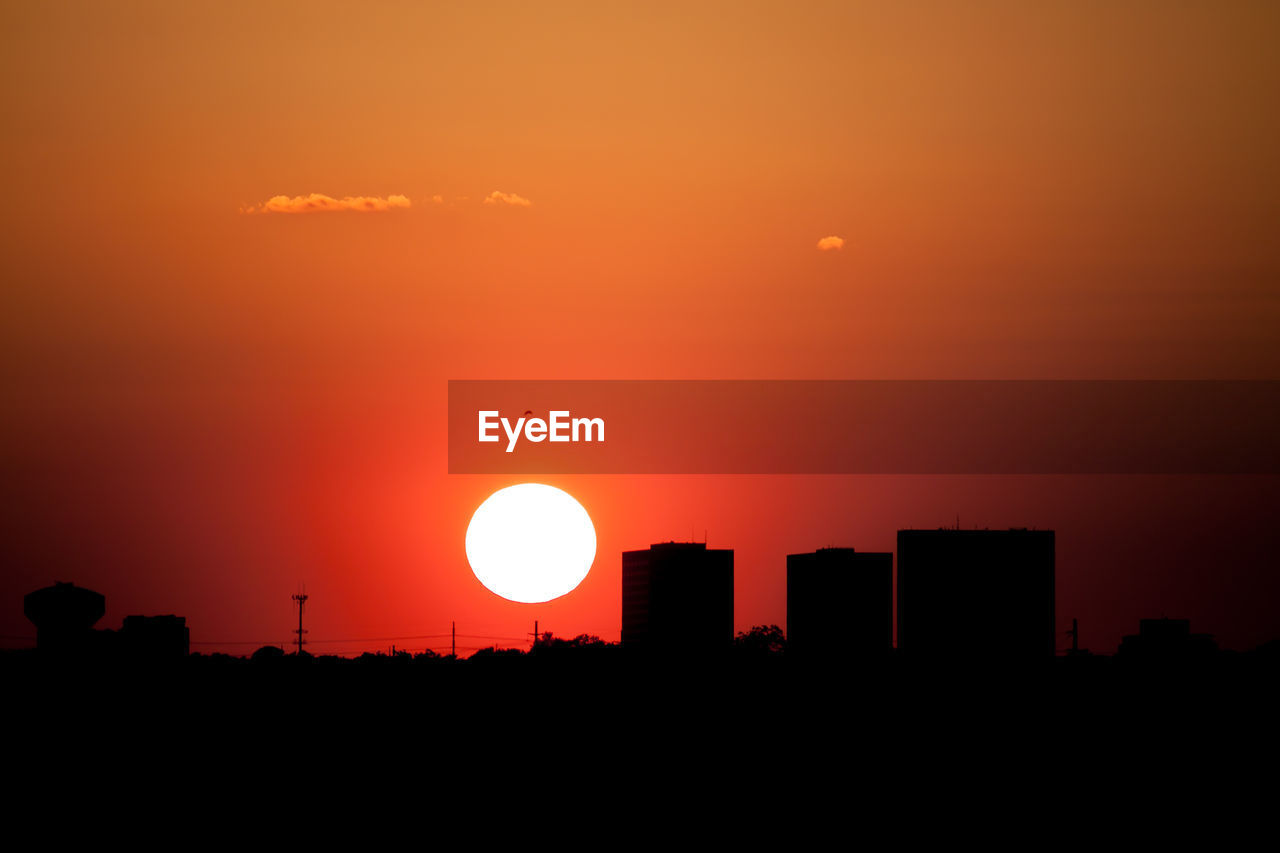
(301, 598)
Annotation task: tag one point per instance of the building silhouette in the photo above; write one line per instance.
(839, 601)
(64, 615)
(1166, 640)
(156, 637)
(677, 596)
(976, 593)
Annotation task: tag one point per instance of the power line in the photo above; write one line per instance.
(240, 642)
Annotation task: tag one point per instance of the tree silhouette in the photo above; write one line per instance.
(268, 653)
(761, 641)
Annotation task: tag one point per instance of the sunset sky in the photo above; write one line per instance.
(246, 245)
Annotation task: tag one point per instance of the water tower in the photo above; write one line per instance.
(64, 615)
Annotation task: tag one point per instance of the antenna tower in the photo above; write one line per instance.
(301, 598)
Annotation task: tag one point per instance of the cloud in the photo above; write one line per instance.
(317, 203)
(830, 244)
(497, 197)
(438, 199)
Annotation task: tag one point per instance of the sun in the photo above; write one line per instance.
(531, 543)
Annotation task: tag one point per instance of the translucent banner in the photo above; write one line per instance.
(863, 427)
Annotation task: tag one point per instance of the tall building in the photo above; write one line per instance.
(979, 593)
(677, 596)
(839, 602)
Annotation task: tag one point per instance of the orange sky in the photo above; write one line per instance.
(204, 407)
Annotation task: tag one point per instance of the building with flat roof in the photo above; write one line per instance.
(677, 596)
(156, 637)
(839, 602)
(981, 593)
(1166, 639)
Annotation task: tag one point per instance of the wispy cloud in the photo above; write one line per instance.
(318, 203)
(498, 197)
(831, 244)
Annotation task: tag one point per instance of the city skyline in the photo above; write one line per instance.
(973, 594)
(247, 250)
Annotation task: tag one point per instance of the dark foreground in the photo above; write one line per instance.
(766, 745)
(525, 700)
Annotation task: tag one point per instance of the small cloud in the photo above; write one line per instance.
(318, 203)
(438, 199)
(831, 244)
(497, 197)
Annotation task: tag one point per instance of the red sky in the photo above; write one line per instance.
(205, 406)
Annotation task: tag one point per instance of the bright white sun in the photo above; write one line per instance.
(531, 543)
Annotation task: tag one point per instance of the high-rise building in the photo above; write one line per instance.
(982, 593)
(839, 602)
(677, 596)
